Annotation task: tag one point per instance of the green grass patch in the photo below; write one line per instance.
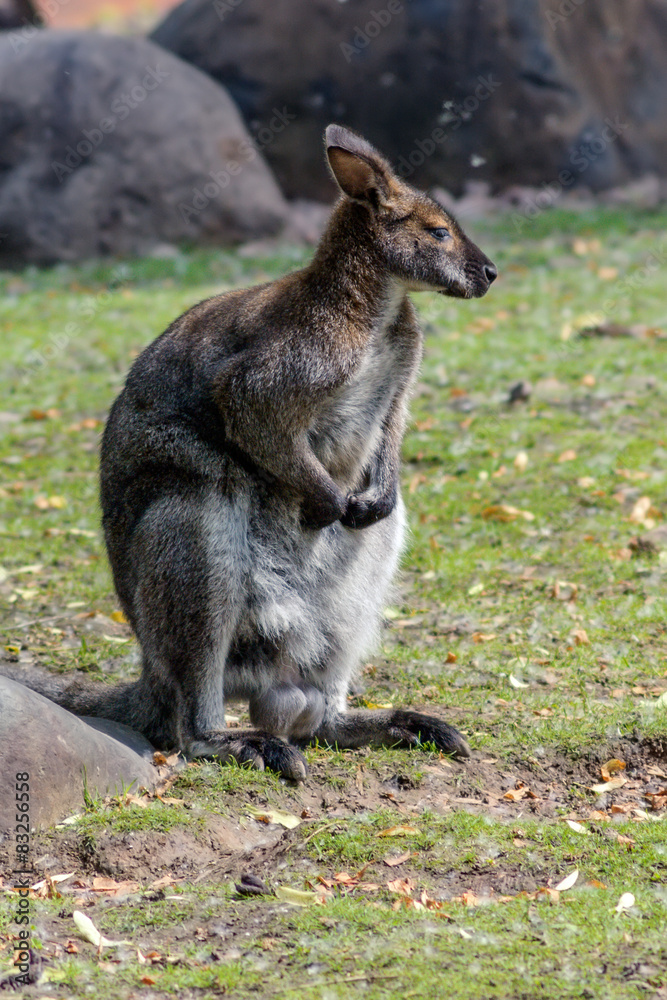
(525, 614)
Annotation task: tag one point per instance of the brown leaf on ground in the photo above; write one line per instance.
(643, 512)
(400, 860)
(402, 886)
(504, 512)
(640, 331)
(608, 786)
(111, 887)
(658, 800)
(598, 816)
(612, 766)
(522, 791)
(468, 899)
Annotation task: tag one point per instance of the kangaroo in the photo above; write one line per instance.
(250, 486)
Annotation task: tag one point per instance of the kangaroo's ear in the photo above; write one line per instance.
(358, 169)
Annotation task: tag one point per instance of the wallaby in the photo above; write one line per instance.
(250, 486)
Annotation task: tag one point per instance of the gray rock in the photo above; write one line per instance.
(112, 146)
(63, 754)
(511, 92)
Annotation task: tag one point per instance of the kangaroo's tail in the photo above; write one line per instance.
(121, 703)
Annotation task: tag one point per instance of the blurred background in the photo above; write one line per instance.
(126, 125)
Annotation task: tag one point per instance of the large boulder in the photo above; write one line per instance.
(64, 758)
(111, 145)
(513, 92)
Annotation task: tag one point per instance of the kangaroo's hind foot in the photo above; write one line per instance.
(247, 746)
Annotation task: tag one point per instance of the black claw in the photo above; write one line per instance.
(414, 729)
(258, 749)
(285, 759)
(366, 509)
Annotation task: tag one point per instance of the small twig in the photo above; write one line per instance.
(39, 621)
(369, 977)
(315, 833)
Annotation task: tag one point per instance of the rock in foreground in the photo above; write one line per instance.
(62, 754)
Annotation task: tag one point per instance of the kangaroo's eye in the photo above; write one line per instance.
(439, 234)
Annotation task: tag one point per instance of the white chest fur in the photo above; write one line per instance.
(349, 426)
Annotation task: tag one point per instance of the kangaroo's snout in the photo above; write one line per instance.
(490, 272)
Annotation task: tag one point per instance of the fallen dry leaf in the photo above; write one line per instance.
(568, 455)
(402, 886)
(608, 786)
(468, 899)
(112, 887)
(625, 902)
(568, 881)
(643, 512)
(577, 827)
(288, 820)
(563, 590)
(299, 897)
(400, 860)
(89, 931)
(398, 831)
(504, 512)
(622, 809)
(598, 816)
(608, 273)
(580, 637)
(612, 767)
(658, 800)
(520, 792)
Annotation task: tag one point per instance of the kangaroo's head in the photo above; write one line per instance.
(419, 243)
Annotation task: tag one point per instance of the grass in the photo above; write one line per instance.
(541, 636)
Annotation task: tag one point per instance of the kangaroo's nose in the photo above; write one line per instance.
(491, 272)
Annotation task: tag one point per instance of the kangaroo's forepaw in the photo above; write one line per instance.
(414, 729)
(261, 750)
(366, 509)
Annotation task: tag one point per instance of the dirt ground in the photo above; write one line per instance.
(535, 788)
